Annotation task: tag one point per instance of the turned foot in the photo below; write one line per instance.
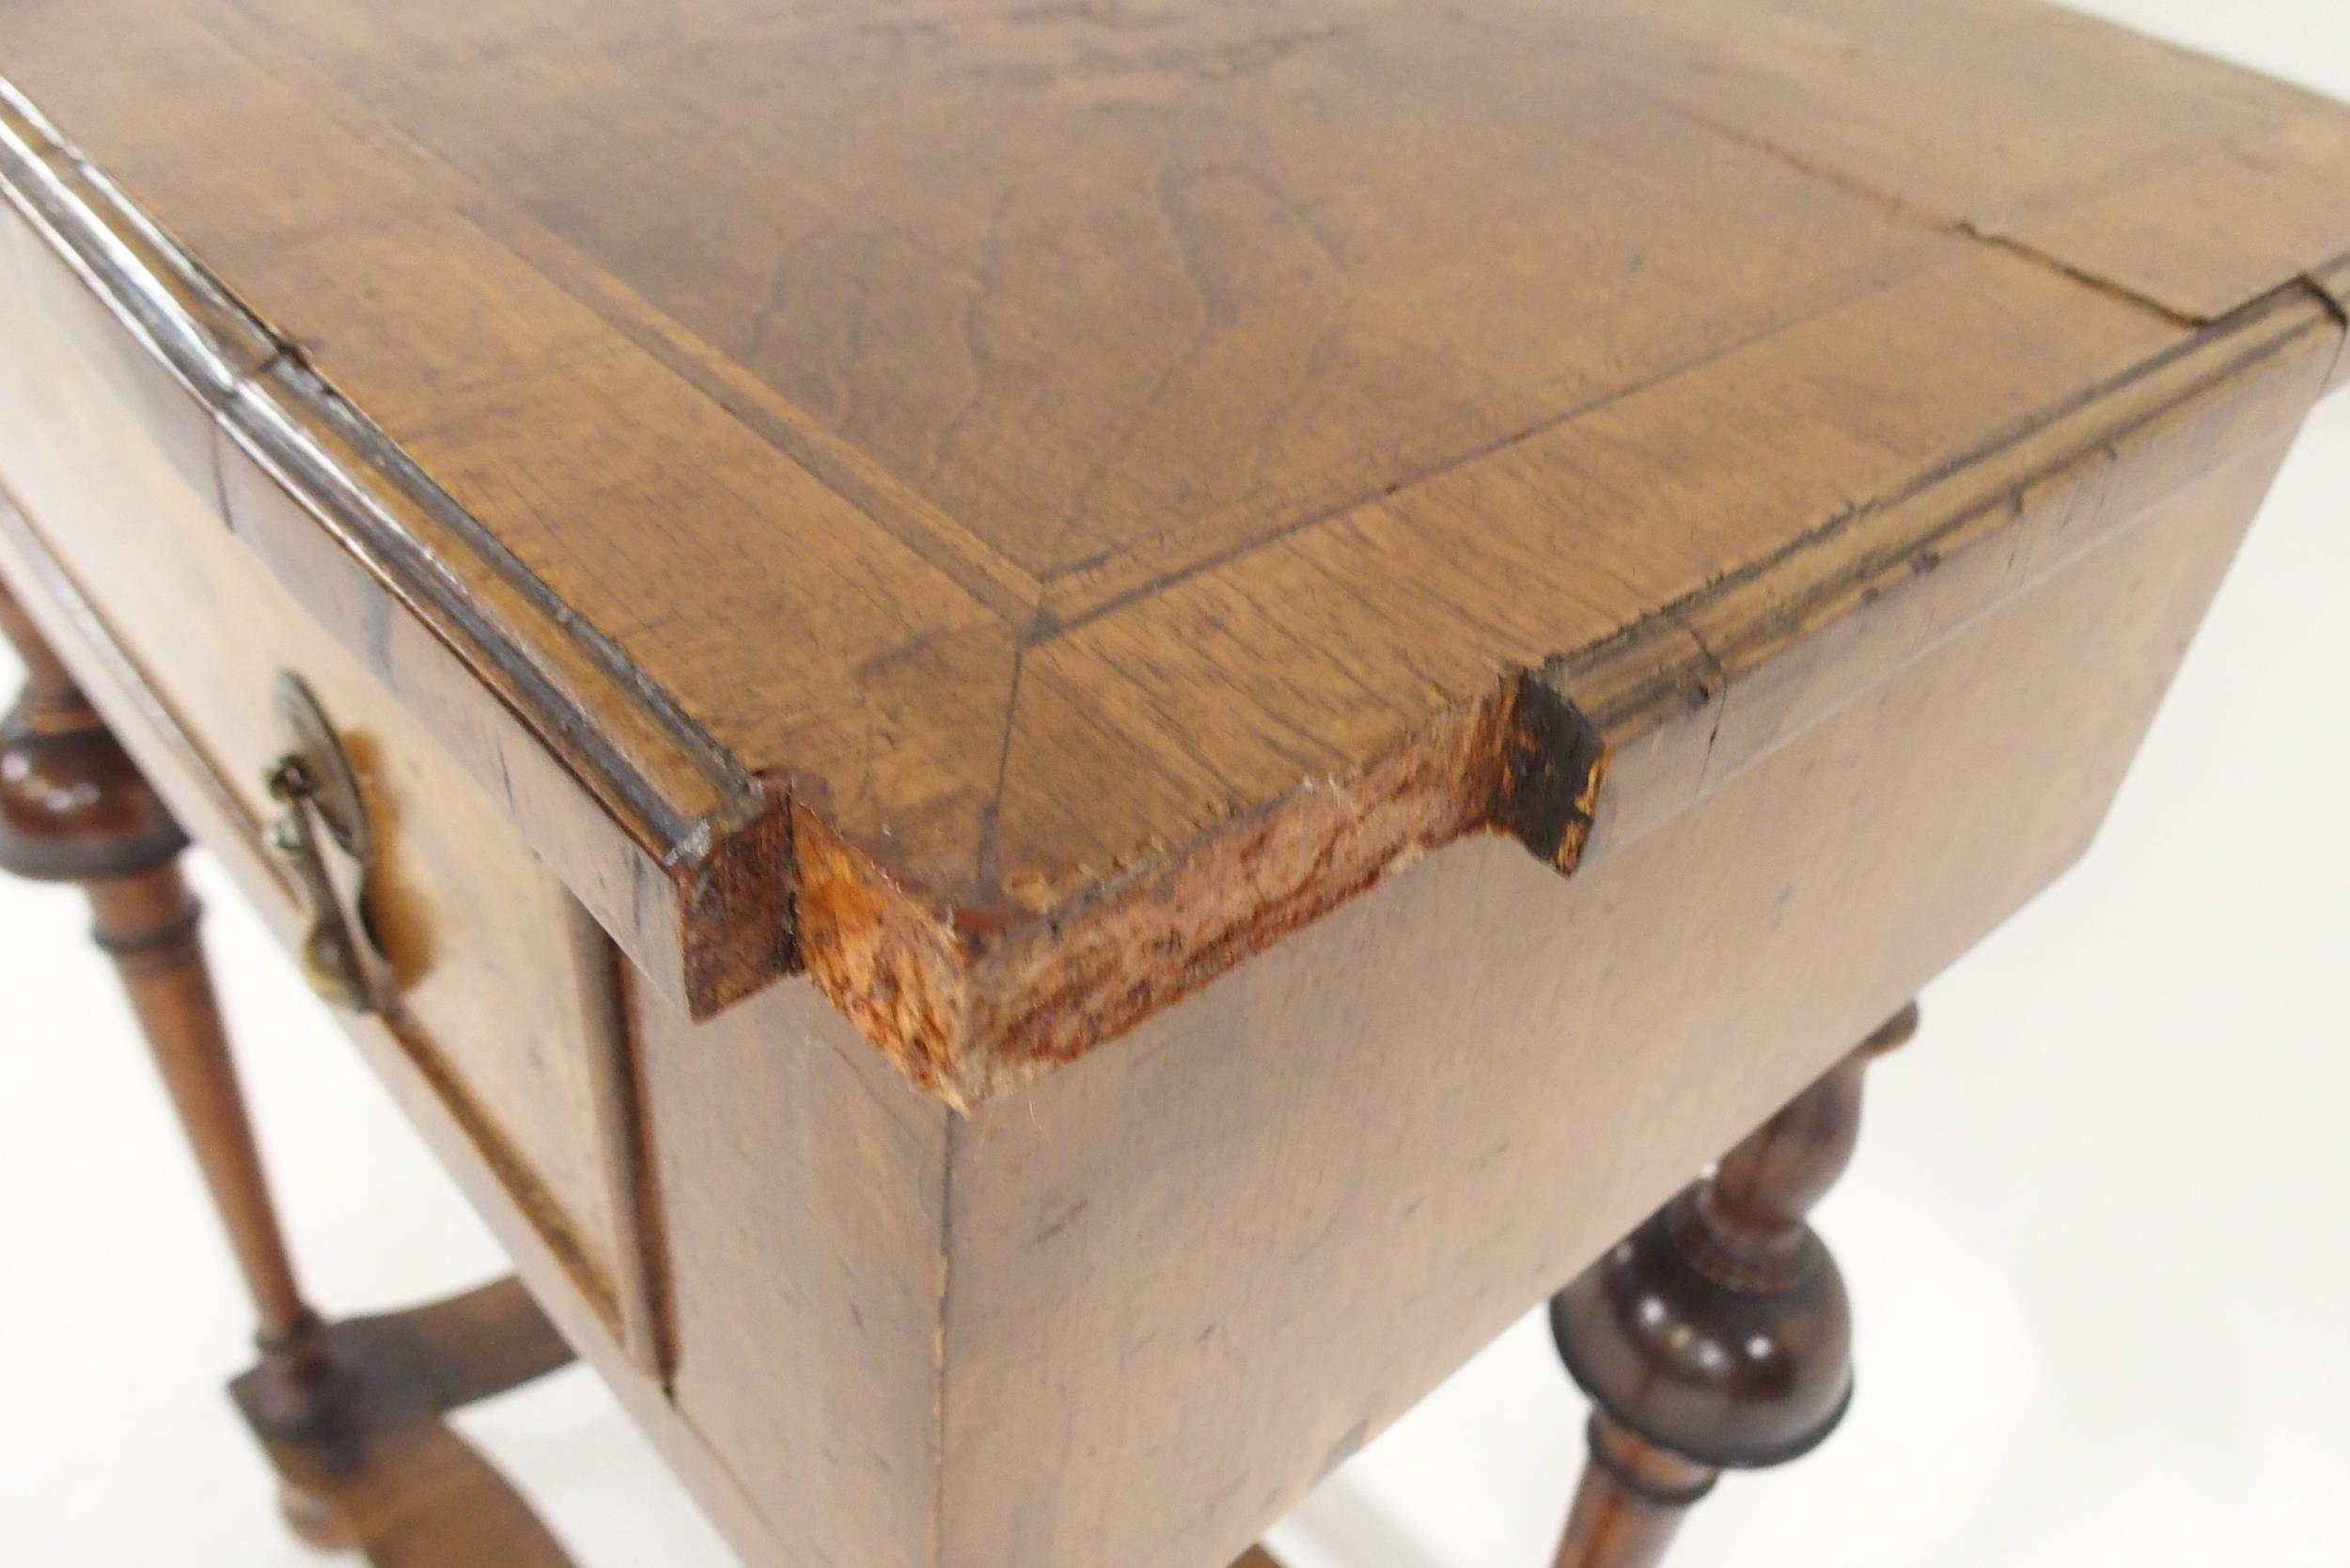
(1717, 1336)
(369, 1462)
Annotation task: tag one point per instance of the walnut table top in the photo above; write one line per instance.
(1074, 733)
(1015, 508)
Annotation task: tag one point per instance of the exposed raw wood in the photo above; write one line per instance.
(1130, 1312)
(1199, 1270)
(1016, 510)
(955, 524)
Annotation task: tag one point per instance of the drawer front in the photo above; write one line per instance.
(501, 987)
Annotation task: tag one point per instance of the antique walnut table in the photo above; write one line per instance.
(1055, 740)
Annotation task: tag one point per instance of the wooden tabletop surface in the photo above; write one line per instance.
(1121, 476)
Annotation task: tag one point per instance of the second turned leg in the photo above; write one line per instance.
(351, 1414)
(1717, 1336)
(75, 808)
(147, 923)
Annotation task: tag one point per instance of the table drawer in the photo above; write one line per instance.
(497, 986)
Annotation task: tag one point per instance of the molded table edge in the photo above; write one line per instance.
(1575, 758)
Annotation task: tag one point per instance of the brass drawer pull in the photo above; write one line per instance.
(325, 841)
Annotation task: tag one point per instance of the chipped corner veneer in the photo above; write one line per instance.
(734, 880)
(1576, 758)
(968, 1002)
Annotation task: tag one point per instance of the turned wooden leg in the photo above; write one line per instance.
(75, 808)
(350, 1413)
(1717, 1336)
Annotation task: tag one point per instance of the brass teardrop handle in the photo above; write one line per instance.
(325, 841)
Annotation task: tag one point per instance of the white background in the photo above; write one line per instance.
(2099, 1232)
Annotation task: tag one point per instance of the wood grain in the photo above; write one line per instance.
(486, 958)
(401, 1049)
(1282, 1212)
(1016, 508)
(348, 1412)
(1131, 1311)
(802, 1185)
(382, 1471)
(1718, 1334)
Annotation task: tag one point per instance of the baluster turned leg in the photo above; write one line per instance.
(352, 1415)
(73, 807)
(1717, 1336)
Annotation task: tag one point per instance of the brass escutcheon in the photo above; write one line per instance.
(323, 841)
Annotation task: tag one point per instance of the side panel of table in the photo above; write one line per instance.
(1132, 1313)
(802, 1186)
(1280, 1215)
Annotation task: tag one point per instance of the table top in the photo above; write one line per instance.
(1118, 479)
